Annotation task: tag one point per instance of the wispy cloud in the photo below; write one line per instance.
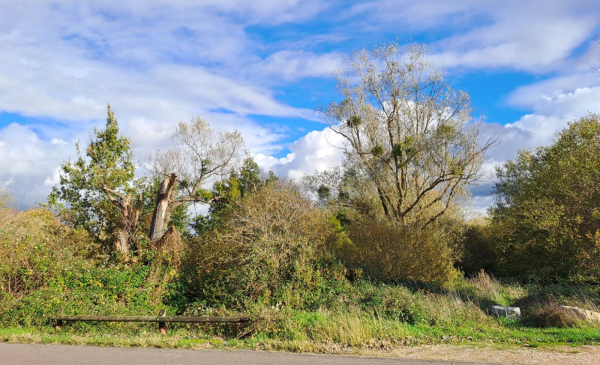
(534, 35)
(161, 61)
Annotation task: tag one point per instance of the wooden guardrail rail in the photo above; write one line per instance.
(161, 319)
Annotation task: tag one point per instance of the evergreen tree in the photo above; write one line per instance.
(95, 191)
(239, 185)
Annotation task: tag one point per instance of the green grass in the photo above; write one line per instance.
(338, 316)
(301, 331)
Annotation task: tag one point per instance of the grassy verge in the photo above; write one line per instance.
(336, 316)
(300, 331)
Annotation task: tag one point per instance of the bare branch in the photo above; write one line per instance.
(409, 135)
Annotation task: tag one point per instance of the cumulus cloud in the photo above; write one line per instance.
(553, 108)
(28, 163)
(315, 152)
(555, 102)
(163, 61)
(157, 62)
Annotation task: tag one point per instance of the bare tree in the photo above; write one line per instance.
(409, 133)
(198, 155)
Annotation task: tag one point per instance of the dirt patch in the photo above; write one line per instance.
(559, 355)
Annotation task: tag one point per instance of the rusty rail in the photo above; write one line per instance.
(162, 320)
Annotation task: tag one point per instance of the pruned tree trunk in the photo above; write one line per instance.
(163, 208)
(124, 237)
(122, 242)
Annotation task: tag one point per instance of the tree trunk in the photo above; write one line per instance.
(122, 242)
(163, 208)
(130, 213)
(124, 236)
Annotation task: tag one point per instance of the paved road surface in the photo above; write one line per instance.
(18, 354)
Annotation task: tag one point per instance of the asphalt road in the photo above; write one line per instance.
(20, 354)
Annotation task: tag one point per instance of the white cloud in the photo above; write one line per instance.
(28, 163)
(157, 62)
(292, 65)
(555, 102)
(58, 141)
(553, 108)
(533, 35)
(315, 152)
(162, 61)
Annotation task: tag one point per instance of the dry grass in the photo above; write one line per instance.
(489, 290)
(552, 313)
(452, 309)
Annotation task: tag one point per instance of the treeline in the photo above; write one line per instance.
(395, 212)
(545, 221)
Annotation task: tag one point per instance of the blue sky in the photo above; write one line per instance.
(263, 66)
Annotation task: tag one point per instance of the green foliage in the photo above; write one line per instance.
(47, 268)
(79, 198)
(298, 296)
(548, 207)
(270, 249)
(323, 192)
(391, 252)
(86, 290)
(181, 220)
(34, 249)
(240, 184)
(354, 121)
(377, 151)
(477, 248)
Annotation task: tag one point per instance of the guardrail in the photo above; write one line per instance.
(161, 319)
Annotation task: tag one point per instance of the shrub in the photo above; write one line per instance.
(477, 248)
(386, 250)
(84, 289)
(47, 268)
(34, 248)
(270, 248)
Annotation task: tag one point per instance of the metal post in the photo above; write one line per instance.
(162, 326)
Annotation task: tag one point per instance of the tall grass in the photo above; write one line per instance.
(486, 290)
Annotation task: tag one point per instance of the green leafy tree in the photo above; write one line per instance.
(97, 192)
(547, 207)
(240, 184)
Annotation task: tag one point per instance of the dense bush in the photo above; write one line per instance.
(269, 249)
(47, 268)
(477, 248)
(85, 289)
(386, 250)
(548, 208)
(35, 248)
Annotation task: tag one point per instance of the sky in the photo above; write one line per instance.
(263, 66)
